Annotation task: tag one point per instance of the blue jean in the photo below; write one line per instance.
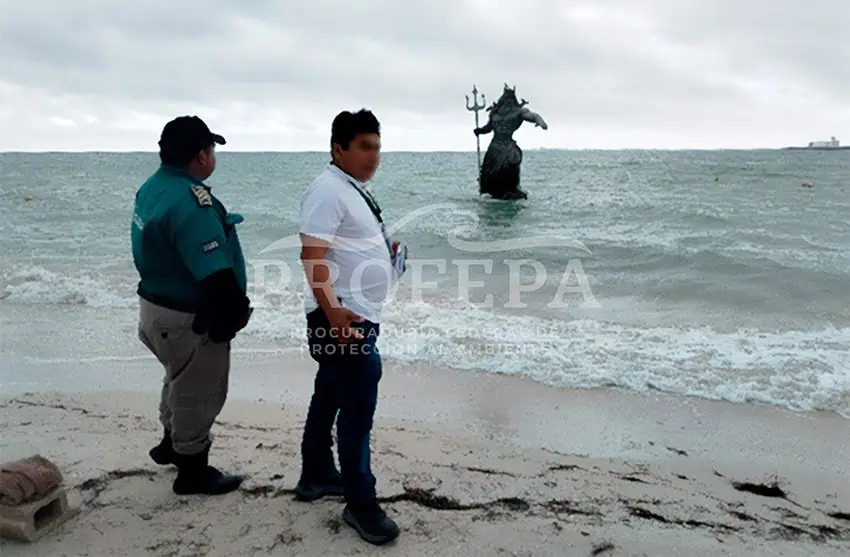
(346, 384)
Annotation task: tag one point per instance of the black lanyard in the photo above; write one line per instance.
(376, 210)
(370, 201)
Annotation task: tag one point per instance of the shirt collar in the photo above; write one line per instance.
(346, 176)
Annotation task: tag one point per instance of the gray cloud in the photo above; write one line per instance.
(644, 73)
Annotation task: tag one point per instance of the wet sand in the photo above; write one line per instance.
(467, 463)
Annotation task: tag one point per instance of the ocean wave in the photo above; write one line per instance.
(34, 284)
(795, 369)
(799, 370)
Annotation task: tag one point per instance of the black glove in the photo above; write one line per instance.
(225, 331)
(226, 308)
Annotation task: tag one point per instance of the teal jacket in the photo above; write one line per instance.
(181, 233)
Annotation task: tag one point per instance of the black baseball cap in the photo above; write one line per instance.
(186, 136)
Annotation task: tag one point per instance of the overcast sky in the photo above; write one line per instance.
(270, 75)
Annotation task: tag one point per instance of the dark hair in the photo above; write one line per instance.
(347, 125)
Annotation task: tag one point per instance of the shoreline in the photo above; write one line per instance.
(468, 463)
(100, 344)
(254, 374)
(92, 353)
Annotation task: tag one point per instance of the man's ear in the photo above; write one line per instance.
(204, 155)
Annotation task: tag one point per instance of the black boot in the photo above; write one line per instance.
(371, 522)
(164, 453)
(196, 476)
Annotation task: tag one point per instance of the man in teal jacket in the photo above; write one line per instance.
(193, 301)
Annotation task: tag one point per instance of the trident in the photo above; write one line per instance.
(475, 108)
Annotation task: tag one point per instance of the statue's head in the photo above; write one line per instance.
(507, 100)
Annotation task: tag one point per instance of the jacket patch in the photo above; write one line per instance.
(209, 246)
(203, 196)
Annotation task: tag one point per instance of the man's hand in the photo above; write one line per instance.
(341, 324)
(313, 253)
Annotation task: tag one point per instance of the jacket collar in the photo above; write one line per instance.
(177, 171)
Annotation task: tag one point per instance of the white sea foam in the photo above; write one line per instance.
(801, 370)
(34, 284)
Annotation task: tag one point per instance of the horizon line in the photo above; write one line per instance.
(384, 151)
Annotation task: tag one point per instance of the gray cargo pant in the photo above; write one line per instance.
(196, 375)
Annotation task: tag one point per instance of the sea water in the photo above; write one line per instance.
(719, 274)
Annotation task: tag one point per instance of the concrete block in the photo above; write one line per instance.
(29, 522)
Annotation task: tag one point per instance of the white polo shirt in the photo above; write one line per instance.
(361, 270)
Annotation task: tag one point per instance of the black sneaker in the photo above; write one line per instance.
(310, 490)
(372, 523)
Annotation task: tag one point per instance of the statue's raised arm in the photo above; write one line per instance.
(500, 170)
(534, 118)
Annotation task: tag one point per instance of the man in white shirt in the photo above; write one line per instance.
(351, 266)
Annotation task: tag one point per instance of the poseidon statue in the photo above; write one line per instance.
(499, 174)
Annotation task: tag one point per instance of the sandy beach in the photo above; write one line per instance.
(468, 464)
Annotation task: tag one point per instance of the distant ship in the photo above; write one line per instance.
(831, 145)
